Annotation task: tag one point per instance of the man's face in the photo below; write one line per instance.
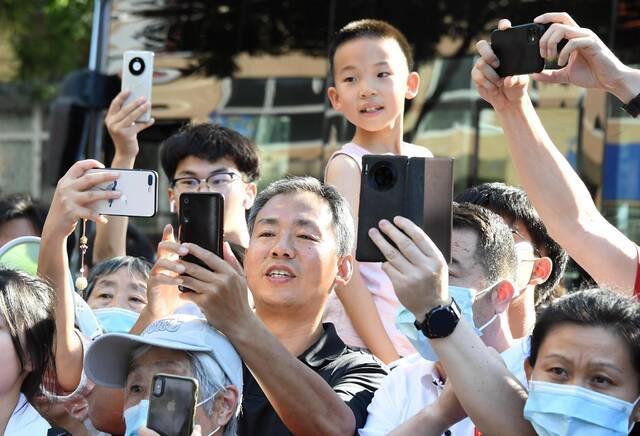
(466, 271)
(15, 228)
(291, 261)
(371, 82)
(238, 195)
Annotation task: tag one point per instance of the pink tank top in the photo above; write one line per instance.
(374, 278)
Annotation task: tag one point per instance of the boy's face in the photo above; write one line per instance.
(372, 81)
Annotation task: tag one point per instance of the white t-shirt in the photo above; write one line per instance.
(26, 421)
(411, 386)
(414, 384)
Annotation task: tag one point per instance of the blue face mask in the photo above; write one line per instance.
(135, 417)
(115, 319)
(464, 298)
(558, 410)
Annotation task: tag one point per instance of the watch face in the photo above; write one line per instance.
(442, 323)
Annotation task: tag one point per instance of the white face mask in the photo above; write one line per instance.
(464, 298)
(562, 410)
(135, 417)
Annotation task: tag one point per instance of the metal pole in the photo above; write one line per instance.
(97, 63)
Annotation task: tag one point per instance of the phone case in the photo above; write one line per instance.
(420, 189)
(137, 75)
(172, 405)
(518, 49)
(201, 222)
(139, 190)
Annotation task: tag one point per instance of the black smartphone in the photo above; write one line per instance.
(172, 405)
(201, 223)
(420, 189)
(518, 49)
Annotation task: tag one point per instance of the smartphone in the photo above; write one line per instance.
(137, 76)
(139, 190)
(420, 189)
(518, 49)
(172, 405)
(201, 223)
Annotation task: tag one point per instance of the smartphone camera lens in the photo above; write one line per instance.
(149, 180)
(185, 219)
(157, 387)
(185, 201)
(382, 176)
(532, 35)
(136, 66)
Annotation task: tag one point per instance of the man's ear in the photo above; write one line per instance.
(332, 92)
(413, 84)
(345, 269)
(503, 294)
(250, 190)
(172, 199)
(229, 401)
(541, 271)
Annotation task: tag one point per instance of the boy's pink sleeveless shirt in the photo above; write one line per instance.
(376, 280)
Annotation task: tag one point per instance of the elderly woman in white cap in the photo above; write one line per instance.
(180, 345)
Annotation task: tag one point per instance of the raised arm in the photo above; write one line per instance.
(556, 191)
(354, 296)
(71, 202)
(486, 389)
(305, 403)
(111, 237)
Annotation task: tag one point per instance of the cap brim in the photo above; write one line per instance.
(107, 360)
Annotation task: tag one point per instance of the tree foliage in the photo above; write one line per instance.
(50, 38)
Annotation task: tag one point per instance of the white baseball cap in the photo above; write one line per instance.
(107, 360)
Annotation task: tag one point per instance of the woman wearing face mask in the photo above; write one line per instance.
(584, 367)
(117, 292)
(26, 337)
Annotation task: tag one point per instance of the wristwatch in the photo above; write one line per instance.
(440, 322)
(633, 107)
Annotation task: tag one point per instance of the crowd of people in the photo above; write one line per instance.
(286, 333)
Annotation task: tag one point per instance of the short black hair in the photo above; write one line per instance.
(495, 251)
(210, 142)
(26, 305)
(13, 206)
(513, 202)
(369, 28)
(591, 308)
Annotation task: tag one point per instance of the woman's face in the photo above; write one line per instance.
(11, 374)
(119, 289)
(591, 357)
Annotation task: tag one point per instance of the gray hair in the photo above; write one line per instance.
(342, 221)
(211, 379)
(135, 266)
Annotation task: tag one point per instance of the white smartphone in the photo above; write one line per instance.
(139, 190)
(137, 75)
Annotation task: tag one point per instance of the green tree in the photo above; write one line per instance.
(50, 38)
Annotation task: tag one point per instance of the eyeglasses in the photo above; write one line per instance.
(515, 231)
(213, 182)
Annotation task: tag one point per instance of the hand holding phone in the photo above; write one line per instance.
(518, 49)
(137, 76)
(139, 193)
(172, 405)
(201, 223)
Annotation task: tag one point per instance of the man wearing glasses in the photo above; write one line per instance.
(206, 157)
(200, 157)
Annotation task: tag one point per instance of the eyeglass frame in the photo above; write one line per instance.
(536, 251)
(234, 176)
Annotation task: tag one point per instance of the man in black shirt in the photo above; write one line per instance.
(301, 239)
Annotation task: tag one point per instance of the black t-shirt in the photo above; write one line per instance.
(352, 374)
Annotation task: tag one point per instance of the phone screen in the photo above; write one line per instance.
(201, 223)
